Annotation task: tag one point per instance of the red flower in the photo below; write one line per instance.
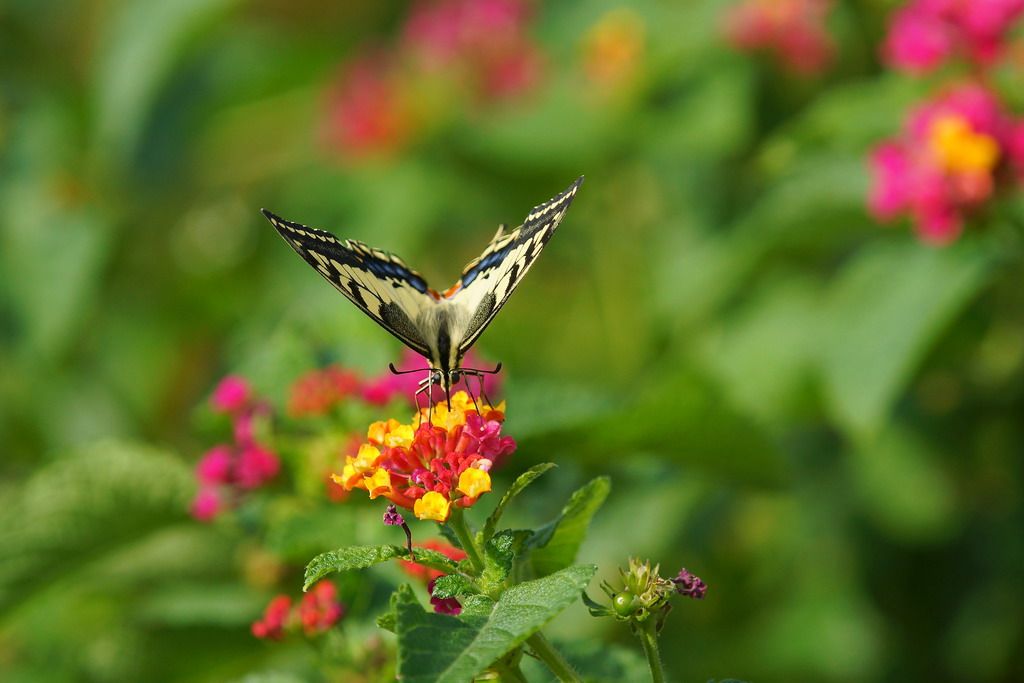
(318, 391)
(320, 608)
(275, 617)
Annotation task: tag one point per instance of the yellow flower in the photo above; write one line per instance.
(366, 460)
(473, 482)
(402, 436)
(614, 48)
(385, 433)
(958, 148)
(462, 403)
(432, 506)
(349, 478)
(379, 483)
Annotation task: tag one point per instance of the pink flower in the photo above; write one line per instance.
(206, 505)
(483, 43)
(925, 33)
(793, 31)
(215, 466)
(368, 111)
(483, 436)
(256, 466)
(948, 162)
(231, 394)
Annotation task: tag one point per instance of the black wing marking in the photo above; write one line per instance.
(487, 282)
(376, 281)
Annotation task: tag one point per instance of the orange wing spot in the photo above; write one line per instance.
(450, 292)
(433, 294)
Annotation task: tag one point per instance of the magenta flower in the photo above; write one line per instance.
(206, 505)
(215, 466)
(793, 31)
(443, 605)
(231, 395)
(690, 585)
(926, 33)
(255, 466)
(952, 155)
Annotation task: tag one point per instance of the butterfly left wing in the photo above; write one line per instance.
(378, 282)
(487, 281)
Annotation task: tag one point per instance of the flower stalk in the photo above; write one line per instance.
(648, 634)
(553, 658)
(457, 522)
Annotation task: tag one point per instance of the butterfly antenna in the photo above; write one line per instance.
(396, 371)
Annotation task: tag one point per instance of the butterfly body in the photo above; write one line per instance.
(439, 326)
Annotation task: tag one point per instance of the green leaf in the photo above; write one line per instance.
(437, 647)
(903, 488)
(517, 487)
(555, 544)
(363, 556)
(872, 342)
(499, 553)
(453, 586)
(347, 559)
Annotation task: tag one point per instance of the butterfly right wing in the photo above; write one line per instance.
(378, 282)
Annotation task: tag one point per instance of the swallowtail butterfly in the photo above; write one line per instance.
(439, 326)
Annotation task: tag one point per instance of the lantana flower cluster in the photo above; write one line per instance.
(316, 613)
(952, 157)
(226, 471)
(482, 47)
(925, 34)
(794, 32)
(441, 459)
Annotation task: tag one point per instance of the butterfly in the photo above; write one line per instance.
(441, 327)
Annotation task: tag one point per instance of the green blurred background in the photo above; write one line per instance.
(820, 417)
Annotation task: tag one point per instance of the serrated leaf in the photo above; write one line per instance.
(347, 559)
(517, 487)
(555, 544)
(440, 648)
(453, 586)
(363, 556)
(499, 554)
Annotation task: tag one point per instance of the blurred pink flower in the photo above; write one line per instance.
(320, 608)
(215, 466)
(947, 162)
(794, 31)
(206, 505)
(386, 386)
(225, 470)
(231, 394)
(255, 467)
(925, 33)
(483, 42)
(368, 112)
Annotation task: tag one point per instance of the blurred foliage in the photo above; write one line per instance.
(818, 416)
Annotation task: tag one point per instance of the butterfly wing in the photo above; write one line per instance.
(487, 282)
(378, 282)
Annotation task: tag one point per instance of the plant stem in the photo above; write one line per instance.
(458, 524)
(649, 639)
(553, 658)
(510, 673)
